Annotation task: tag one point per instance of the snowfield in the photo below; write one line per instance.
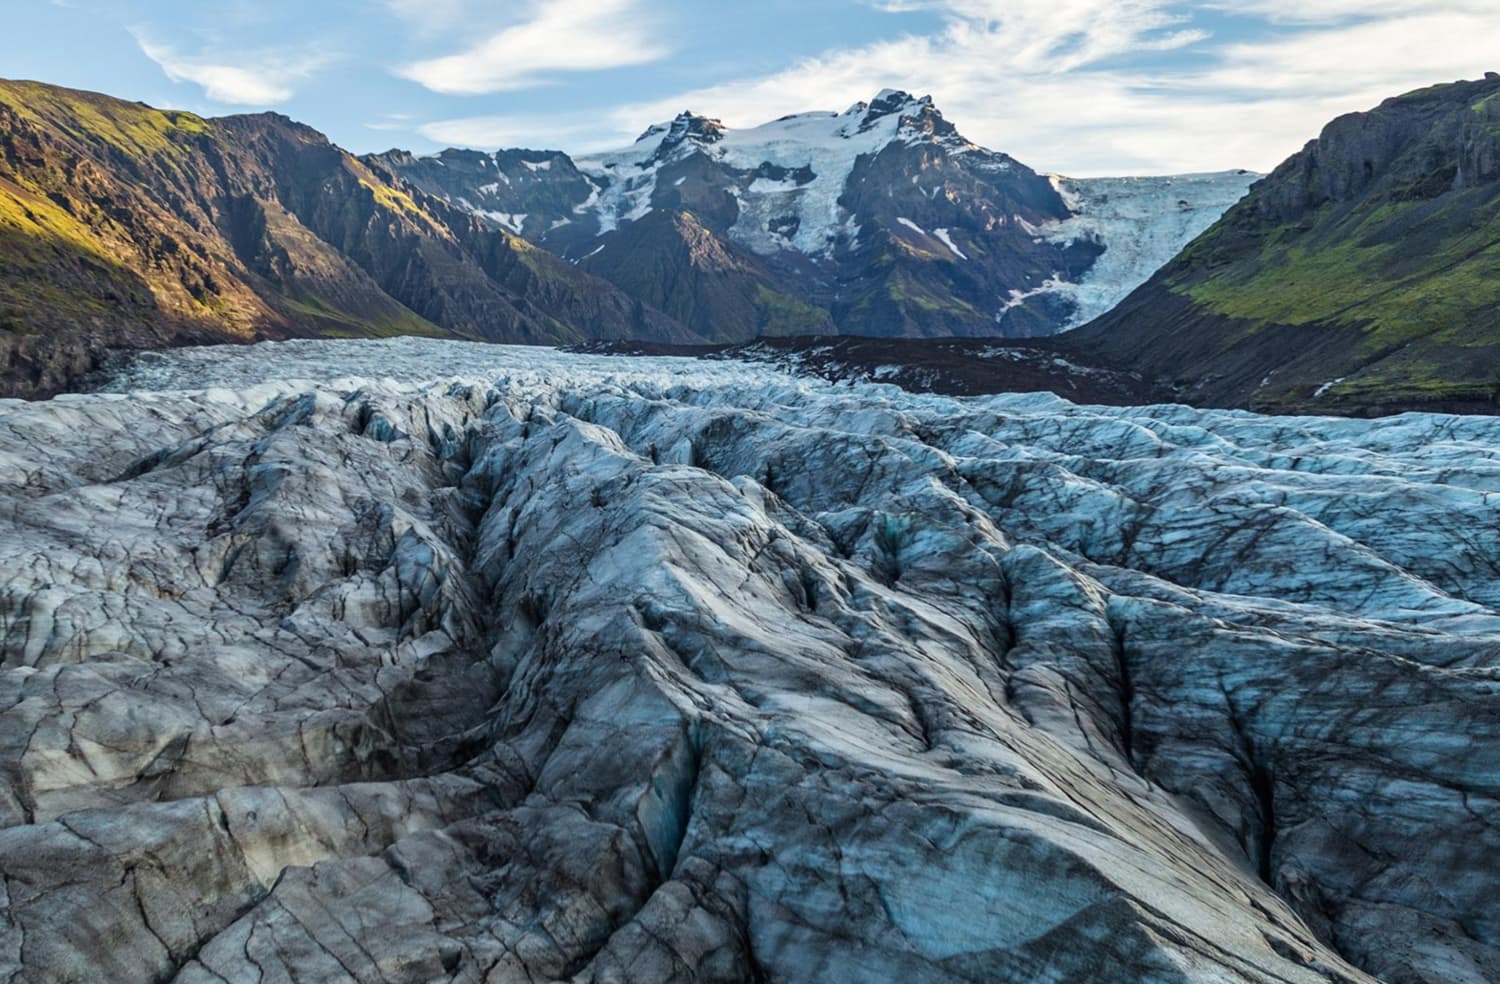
(418, 660)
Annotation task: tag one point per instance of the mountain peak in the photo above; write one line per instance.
(686, 125)
(888, 101)
(692, 126)
(919, 119)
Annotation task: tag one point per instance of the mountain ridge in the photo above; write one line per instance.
(124, 226)
(880, 220)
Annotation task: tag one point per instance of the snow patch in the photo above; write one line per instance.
(510, 220)
(1318, 393)
(948, 241)
(1052, 284)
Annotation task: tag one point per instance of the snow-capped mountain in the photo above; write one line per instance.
(792, 173)
(881, 219)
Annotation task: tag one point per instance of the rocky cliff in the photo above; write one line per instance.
(1363, 275)
(126, 226)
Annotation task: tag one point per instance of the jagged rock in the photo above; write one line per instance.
(498, 664)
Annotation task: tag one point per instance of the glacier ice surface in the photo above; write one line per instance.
(415, 660)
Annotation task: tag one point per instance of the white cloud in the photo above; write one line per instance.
(263, 78)
(560, 36)
(1061, 84)
(1335, 11)
(1387, 55)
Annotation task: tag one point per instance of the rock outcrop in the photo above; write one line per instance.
(519, 666)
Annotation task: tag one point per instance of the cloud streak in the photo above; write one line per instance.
(561, 36)
(1063, 84)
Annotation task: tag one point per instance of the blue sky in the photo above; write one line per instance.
(1076, 86)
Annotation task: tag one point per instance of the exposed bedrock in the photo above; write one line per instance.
(626, 677)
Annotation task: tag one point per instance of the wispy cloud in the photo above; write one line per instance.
(393, 123)
(1062, 84)
(1336, 11)
(575, 131)
(256, 78)
(429, 18)
(560, 36)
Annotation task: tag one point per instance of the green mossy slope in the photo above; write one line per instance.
(1362, 276)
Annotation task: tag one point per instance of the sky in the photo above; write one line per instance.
(1080, 87)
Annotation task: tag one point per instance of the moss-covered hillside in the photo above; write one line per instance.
(1363, 275)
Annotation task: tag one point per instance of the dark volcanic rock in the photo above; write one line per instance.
(672, 262)
(525, 192)
(919, 206)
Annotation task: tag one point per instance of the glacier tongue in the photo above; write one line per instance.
(414, 660)
(1143, 222)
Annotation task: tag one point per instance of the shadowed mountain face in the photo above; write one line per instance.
(495, 664)
(1363, 275)
(125, 226)
(881, 220)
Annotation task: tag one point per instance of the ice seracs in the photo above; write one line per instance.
(413, 660)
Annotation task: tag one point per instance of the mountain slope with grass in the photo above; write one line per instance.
(1362, 276)
(124, 226)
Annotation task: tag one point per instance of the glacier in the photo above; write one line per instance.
(413, 660)
(1142, 222)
